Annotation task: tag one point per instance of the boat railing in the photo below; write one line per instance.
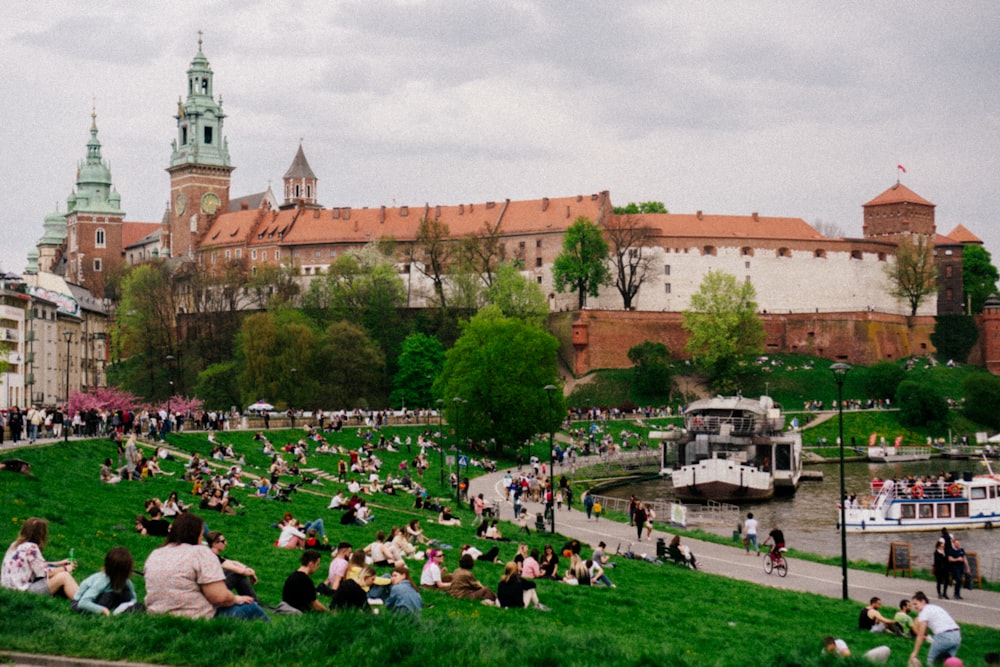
(715, 425)
(932, 490)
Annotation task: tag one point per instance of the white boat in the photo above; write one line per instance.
(971, 503)
(734, 449)
(898, 454)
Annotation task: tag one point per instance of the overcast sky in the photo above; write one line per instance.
(799, 109)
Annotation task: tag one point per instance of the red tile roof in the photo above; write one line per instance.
(963, 235)
(133, 232)
(897, 194)
(732, 226)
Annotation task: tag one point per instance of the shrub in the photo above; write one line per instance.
(920, 404)
(883, 380)
(982, 396)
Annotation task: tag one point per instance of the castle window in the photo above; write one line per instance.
(666, 269)
(881, 257)
(277, 255)
(855, 254)
(253, 254)
(208, 135)
(948, 272)
(263, 255)
(521, 245)
(97, 265)
(784, 252)
(666, 288)
(228, 256)
(239, 253)
(253, 270)
(949, 252)
(538, 262)
(820, 254)
(709, 250)
(298, 190)
(539, 280)
(204, 86)
(213, 257)
(538, 243)
(99, 238)
(746, 265)
(949, 294)
(309, 191)
(184, 135)
(746, 252)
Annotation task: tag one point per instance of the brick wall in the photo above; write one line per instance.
(595, 339)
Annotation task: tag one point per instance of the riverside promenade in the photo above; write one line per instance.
(978, 607)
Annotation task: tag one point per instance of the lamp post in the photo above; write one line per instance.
(440, 439)
(69, 338)
(549, 388)
(170, 393)
(458, 469)
(839, 372)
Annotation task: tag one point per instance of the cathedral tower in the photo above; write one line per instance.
(898, 210)
(199, 169)
(300, 181)
(93, 221)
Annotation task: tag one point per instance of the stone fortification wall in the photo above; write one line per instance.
(594, 339)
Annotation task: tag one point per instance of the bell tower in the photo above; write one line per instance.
(200, 170)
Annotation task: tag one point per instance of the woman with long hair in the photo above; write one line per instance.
(110, 590)
(24, 568)
(513, 591)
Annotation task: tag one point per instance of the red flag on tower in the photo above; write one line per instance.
(901, 168)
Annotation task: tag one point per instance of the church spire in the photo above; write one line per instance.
(300, 181)
(199, 119)
(94, 190)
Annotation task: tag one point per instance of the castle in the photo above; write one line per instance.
(800, 275)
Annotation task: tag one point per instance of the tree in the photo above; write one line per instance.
(831, 230)
(652, 370)
(629, 238)
(432, 252)
(500, 368)
(277, 349)
(349, 367)
(724, 327)
(145, 331)
(954, 336)
(644, 207)
(217, 385)
(912, 274)
(882, 380)
(979, 276)
(581, 264)
(920, 405)
(517, 296)
(483, 253)
(982, 396)
(274, 286)
(420, 362)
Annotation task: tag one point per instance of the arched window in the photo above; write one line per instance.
(746, 251)
(709, 250)
(820, 254)
(784, 252)
(99, 238)
(855, 254)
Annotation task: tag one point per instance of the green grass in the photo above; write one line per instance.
(658, 614)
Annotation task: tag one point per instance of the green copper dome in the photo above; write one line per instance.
(55, 229)
(94, 191)
(199, 120)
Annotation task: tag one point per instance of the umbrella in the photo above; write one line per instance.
(260, 406)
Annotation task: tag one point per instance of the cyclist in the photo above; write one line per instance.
(777, 538)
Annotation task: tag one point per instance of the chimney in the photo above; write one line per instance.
(545, 204)
(336, 213)
(568, 214)
(579, 198)
(437, 212)
(699, 215)
(461, 209)
(404, 211)
(245, 206)
(490, 204)
(755, 217)
(381, 215)
(347, 213)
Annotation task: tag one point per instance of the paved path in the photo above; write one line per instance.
(978, 607)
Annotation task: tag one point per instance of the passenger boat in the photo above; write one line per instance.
(898, 454)
(735, 449)
(973, 502)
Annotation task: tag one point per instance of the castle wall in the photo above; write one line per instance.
(595, 339)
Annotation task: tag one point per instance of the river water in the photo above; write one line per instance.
(809, 518)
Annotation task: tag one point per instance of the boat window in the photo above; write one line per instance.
(962, 509)
(926, 511)
(908, 511)
(782, 457)
(944, 510)
(978, 492)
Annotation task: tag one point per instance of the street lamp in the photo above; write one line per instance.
(69, 338)
(440, 439)
(839, 372)
(458, 469)
(170, 371)
(549, 388)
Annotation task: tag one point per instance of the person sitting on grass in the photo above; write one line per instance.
(155, 525)
(239, 577)
(577, 574)
(292, 536)
(173, 506)
(184, 578)
(515, 592)
(351, 593)
(530, 569)
(549, 563)
(904, 620)
(871, 619)
(299, 590)
(680, 553)
(465, 586)
(491, 556)
(377, 551)
(597, 575)
(434, 575)
(108, 475)
(110, 590)
(415, 534)
(403, 597)
(446, 518)
(24, 568)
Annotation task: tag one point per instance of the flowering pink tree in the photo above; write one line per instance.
(180, 404)
(104, 399)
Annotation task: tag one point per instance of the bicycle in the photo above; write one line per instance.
(775, 560)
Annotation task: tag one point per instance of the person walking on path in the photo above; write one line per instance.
(588, 504)
(750, 534)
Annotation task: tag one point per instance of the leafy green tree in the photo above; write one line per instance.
(979, 276)
(145, 331)
(954, 336)
(630, 238)
(274, 286)
(581, 264)
(277, 349)
(217, 386)
(644, 207)
(982, 396)
(349, 367)
(920, 405)
(420, 362)
(724, 326)
(500, 367)
(652, 370)
(912, 273)
(882, 380)
(517, 296)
